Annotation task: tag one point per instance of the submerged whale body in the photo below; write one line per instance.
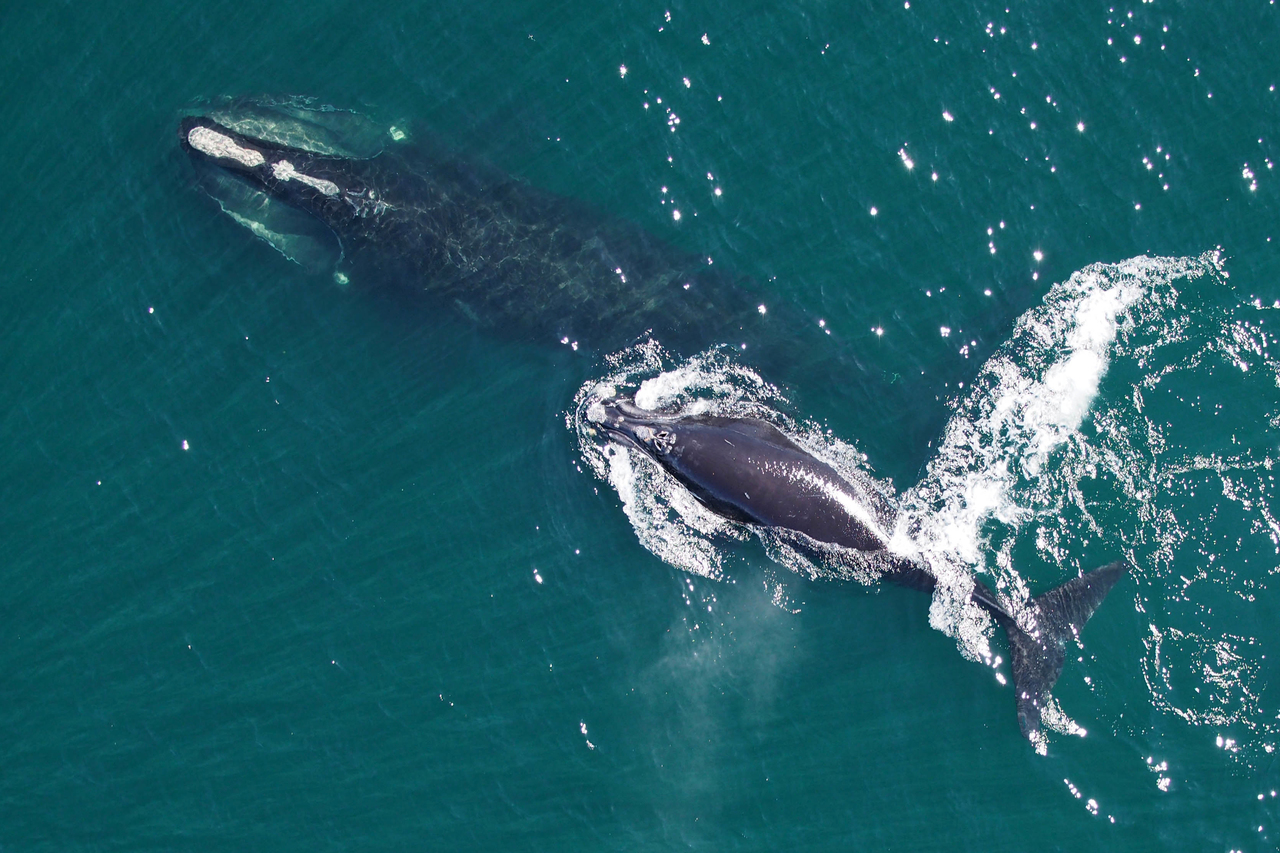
(321, 184)
(748, 471)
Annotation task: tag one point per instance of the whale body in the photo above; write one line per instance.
(322, 184)
(749, 471)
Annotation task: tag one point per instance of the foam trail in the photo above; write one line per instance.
(1029, 399)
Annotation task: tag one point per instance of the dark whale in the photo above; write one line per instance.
(322, 184)
(748, 471)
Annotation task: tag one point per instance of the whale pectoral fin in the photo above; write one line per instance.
(1038, 655)
(301, 238)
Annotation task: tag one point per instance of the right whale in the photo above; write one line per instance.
(324, 185)
(748, 471)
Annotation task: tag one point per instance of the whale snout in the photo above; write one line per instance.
(619, 419)
(607, 414)
(596, 412)
(206, 139)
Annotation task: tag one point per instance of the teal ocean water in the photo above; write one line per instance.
(294, 565)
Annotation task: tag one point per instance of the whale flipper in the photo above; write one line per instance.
(1038, 654)
(302, 239)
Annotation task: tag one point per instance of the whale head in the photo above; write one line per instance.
(284, 169)
(622, 420)
(299, 177)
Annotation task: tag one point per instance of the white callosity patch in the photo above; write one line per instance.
(283, 171)
(214, 144)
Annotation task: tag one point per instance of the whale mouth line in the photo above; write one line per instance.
(616, 432)
(608, 417)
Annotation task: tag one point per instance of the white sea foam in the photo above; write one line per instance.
(1027, 401)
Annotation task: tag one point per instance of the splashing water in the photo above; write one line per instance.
(1028, 400)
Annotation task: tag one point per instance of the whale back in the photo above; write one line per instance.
(750, 471)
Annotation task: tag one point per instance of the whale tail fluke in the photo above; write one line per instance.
(1038, 653)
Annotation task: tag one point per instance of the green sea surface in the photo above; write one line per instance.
(295, 565)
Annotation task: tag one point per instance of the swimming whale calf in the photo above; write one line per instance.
(749, 471)
(322, 184)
